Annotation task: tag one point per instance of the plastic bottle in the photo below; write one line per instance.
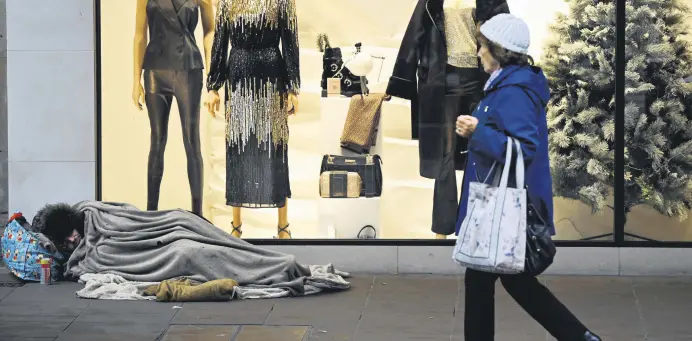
(45, 271)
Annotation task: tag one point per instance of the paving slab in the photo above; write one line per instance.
(665, 305)
(334, 316)
(107, 311)
(409, 307)
(7, 279)
(606, 305)
(32, 329)
(116, 330)
(200, 333)
(4, 291)
(233, 312)
(272, 333)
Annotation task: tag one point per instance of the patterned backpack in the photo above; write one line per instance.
(22, 252)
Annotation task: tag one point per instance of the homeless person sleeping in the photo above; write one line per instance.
(121, 252)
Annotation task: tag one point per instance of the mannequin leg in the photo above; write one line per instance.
(159, 107)
(237, 223)
(284, 233)
(188, 92)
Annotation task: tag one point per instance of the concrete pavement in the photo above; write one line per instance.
(377, 308)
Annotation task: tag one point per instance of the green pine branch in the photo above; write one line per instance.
(579, 62)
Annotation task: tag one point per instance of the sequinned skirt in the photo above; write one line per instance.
(256, 129)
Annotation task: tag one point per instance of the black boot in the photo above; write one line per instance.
(350, 83)
(333, 67)
(589, 336)
(332, 60)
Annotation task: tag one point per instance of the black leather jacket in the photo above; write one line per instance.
(419, 75)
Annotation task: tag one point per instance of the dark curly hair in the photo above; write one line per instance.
(58, 221)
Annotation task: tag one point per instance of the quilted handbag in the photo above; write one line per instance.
(22, 253)
(362, 122)
(492, 237)
(339, 184)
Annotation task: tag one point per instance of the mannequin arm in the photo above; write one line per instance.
(208, 28)
(140, 40)
(218, 70)
(289, 45)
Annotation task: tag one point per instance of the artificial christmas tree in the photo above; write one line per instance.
(579, 62)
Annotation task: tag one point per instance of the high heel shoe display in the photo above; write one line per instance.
(236, 231)
(283, 230)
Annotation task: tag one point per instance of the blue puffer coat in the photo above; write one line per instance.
(514, 105)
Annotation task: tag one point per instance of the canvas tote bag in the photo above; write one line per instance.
(492, 237)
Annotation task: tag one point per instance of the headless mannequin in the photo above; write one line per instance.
(213, 105)
(167, 74)
(462, 95)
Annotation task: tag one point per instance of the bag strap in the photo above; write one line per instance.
(519, 168)
(374, 231)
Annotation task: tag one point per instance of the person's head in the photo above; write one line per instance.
(504, 41)
(62, 224)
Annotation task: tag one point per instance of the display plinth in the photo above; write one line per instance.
(345, 218)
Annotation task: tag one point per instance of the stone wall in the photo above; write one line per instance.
(51, 103)
(3, 112)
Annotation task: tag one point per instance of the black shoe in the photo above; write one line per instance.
(589, 336)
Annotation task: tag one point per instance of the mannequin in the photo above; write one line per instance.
(172, 67)
(263, 83)
(438, 70)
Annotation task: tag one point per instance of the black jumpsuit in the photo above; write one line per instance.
(173, 68)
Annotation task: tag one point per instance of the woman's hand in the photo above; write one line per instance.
(213, 102)
(292, 107)
(466, 125)
(138, 95)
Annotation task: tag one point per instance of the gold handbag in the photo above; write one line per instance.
(340, 184)
(362, 121)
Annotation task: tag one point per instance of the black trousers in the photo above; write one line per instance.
(531, 295)
(160, 87)
(462, 96)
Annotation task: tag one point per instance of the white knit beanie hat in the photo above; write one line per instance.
(509, 32)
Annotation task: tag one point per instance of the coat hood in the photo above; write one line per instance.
(529, 77)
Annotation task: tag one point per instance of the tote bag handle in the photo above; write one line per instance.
(519, 169)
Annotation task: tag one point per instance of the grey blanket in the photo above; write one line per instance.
(153, 246)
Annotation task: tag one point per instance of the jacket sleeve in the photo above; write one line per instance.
(514, 115)
(218, 70)
(403, 83)
(289, 46)
(486, 9)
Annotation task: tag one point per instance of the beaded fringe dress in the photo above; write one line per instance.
(257, 77)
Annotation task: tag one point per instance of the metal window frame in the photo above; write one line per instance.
(619, 215)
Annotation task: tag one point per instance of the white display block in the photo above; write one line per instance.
(344, 218)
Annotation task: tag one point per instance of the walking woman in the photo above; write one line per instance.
(514, 102)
